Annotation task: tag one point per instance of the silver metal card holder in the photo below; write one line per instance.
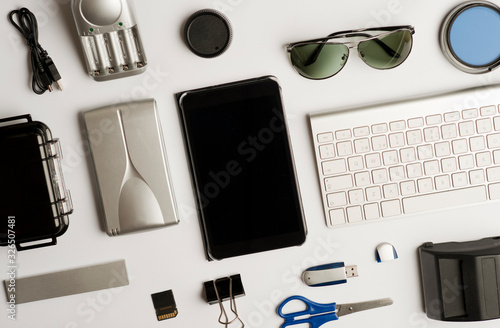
(130, 166)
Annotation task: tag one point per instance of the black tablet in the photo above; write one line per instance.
(242, 167)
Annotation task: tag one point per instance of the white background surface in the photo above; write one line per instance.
(173, 258)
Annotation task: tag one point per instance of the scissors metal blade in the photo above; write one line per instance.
(343, 309)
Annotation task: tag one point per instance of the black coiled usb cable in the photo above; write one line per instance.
(44, 71)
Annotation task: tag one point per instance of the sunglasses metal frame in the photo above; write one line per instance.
(364, 33)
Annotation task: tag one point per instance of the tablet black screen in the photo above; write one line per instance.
(242, 168)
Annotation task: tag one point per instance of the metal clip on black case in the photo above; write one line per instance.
(461, 280)
(34, 202)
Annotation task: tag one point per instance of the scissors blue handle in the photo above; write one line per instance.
(318, 313)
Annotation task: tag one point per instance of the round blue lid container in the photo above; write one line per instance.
(474, 36)
(471, 36)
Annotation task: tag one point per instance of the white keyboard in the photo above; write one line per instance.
(407, 157)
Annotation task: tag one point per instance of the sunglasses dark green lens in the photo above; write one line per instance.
(387, 51)
(319, 60)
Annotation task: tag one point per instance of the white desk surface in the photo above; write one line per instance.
(173, 258)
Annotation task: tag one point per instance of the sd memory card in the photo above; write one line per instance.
(164, 304)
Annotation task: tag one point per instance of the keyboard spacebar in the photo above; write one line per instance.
(444, 199)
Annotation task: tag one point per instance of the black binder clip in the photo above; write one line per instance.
(223, 289)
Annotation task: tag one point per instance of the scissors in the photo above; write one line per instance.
(317, 314)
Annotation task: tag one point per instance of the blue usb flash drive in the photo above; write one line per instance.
(329, 274)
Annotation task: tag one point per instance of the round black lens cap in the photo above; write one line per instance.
(208, 33)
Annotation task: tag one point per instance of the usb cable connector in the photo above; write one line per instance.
(53, 72)
(329, 274)
(351, 271)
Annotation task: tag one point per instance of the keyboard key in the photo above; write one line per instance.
(493, 174)
(396, 140)
(483, 159)
(477, 143)
(343, 134)
(379, 176)
(362, 131)
(466, 162)
(415, 122)
(355, 163)
(444, 199)
(397, 125)
(371, 211)
(407, 155)
(442, 182)
(390, 157)
(336, 199)
(425, 185)
(496, 156)
(390, 208)
(494, 190)
(466, 129)
(344, 148)
(325, 137)
(373, 193)
(448, 164)
(424, 152)
(373, 160)
(379, 143)
(361, 145)
(496, 123)
(362, 179)
(390, 190)
(339, 182)
(484, 125)
(449, 131)
(408, 188)
(337, 217)
(476, 177)
(442, 149)
(397, 173)
(414, 137)
(354, 214)
(452, 117)
(379, 128)
(493, 140)
(488, 110)
(431, 167)
(459, 146)
(469, 113)
(431, 134)
(334, 167)
(326, 151)
(414, 170)
(356, 196)
(433, 119)
(459, 179)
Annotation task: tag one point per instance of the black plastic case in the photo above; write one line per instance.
(34, 203)
(461, 280)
